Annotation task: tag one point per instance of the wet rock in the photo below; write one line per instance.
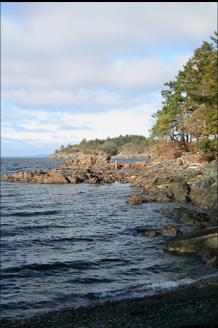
(212, 262)
(152, 233)
(212, 212)
(135, 199)
(192, 216)
(195, 242)
(171, 229)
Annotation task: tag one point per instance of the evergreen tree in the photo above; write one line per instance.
(190, 101)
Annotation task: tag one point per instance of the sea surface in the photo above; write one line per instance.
(73, 245)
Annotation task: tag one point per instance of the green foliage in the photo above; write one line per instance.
(189, 109)
(111, 146)
(208, 146)
(110, 149)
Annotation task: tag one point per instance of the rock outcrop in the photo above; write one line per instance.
(169, 181)
(203, 241)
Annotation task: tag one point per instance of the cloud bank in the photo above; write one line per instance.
(90, 70)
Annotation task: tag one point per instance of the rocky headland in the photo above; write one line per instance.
(177, 180)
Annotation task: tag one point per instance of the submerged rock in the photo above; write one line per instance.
(135, 199)
(152, 233)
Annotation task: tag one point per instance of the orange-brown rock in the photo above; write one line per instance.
(135, 199)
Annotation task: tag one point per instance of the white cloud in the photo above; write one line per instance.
(62, 58)
(113, 123)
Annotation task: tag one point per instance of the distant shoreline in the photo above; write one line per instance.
(21, 157)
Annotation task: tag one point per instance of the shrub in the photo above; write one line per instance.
(208, 147)
(111, 150)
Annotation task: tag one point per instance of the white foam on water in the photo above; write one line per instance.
(152, 289)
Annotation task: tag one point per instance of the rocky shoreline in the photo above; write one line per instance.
(166, 181)
(177, 181)
(181, 181)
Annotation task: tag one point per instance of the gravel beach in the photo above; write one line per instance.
(195, 305)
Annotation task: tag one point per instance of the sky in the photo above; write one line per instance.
(71, 71)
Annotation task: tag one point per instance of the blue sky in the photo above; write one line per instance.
(73, 70)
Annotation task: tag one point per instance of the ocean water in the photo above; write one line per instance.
(74, 245)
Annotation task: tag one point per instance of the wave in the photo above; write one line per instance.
(77, 265)
(151, 289)
(36, 213)
(31, 228)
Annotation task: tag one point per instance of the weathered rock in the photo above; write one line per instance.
(75, 179)
(38, 177)
(171, 229)
(204, 192)
(195, 242)
(135, 199)
(56, 178)
(158, 195)
(181, 191)
(94, 180)
(87, 161)
(102, 159)
(213, 213)
(192, 216)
